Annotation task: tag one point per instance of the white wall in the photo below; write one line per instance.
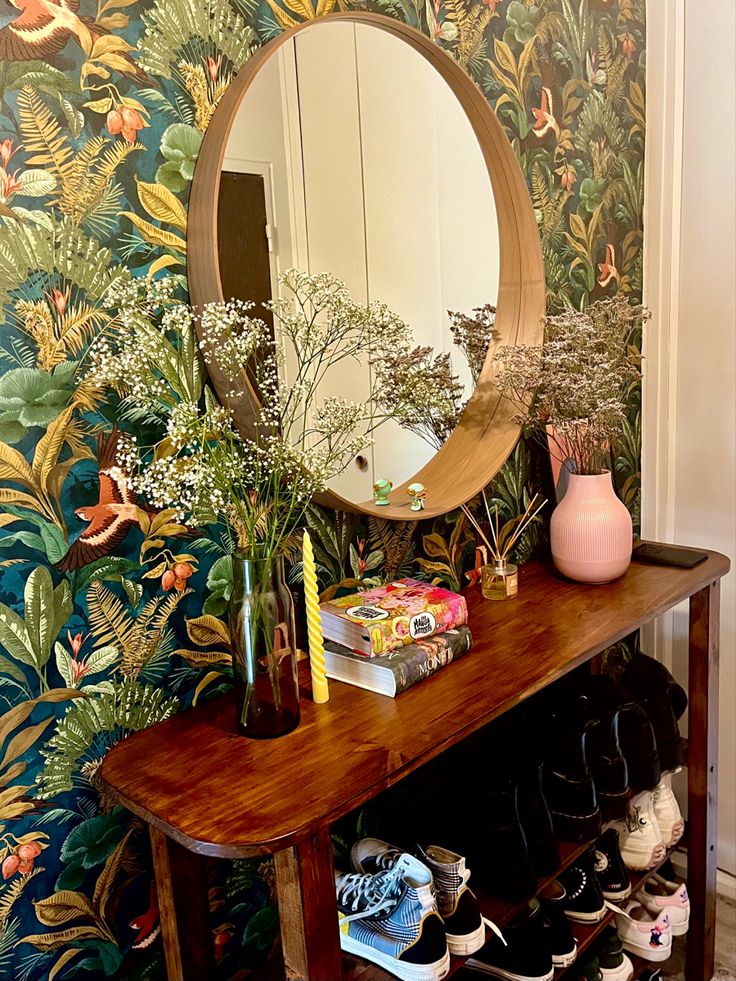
(689, 465)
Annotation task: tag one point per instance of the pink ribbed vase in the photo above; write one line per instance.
(591, 532)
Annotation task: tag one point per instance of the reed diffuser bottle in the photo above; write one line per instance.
(499, 578)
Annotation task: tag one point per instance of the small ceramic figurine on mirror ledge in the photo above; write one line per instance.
(417, 492)
(499, 579)
(381, 490)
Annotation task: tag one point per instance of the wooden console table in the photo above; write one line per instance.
(206, 791)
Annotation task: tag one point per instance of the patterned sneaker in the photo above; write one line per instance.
(584, 902)
(643, 935)
(667, 811)
(391, 919)
(610, 869)
(659, 893)
(457, 905)
(639, 836)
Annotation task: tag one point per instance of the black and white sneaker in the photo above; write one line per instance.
(560, 940)
(584, 902)
(613, 876)
(391, 919)
(457, 904)
(519, 952)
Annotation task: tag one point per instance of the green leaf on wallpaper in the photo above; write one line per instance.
(521, 18)
(181, 142)
(73, 116)
(262, 929)
(14, 637)
(220, 585)
(94, 840)
(16, 74)
(30, 397)
(51, 537)
(111, 568)
(36, 217)
(36, 183)
(591, 193)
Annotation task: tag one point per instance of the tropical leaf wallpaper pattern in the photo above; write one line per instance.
(104, 106)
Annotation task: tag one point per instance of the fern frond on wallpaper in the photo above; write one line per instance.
(100, 128)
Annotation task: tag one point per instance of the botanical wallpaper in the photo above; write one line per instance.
(108, 609)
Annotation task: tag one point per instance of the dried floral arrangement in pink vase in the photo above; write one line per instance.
(572, 395)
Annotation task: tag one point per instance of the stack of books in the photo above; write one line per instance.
(389, 638)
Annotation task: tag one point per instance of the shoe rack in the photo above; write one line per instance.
(203, 791)
(501, 912)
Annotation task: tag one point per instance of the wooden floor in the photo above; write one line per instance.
(674, 969)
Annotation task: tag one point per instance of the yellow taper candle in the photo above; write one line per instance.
(320, 689)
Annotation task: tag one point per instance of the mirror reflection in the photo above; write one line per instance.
(350, 154)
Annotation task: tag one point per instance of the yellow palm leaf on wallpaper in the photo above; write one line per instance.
(303, 11)
(85, 190)
(58, 335)
(43, 479)
(161, 205)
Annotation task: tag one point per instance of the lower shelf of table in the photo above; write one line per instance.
(357, 969)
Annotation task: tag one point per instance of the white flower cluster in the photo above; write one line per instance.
(203, 468)
(230, 337)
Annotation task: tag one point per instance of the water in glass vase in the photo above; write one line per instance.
(264, 649)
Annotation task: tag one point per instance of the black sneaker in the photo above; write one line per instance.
(639, 746)
(537, 821)
(614, 964)
(558, 932)
(588, 969)
(613, 876)
(499, 856)
(651, 685)
(568, 785)
(584, 902)
(602, 699)
(517, 954)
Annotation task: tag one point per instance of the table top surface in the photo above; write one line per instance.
(219, 793)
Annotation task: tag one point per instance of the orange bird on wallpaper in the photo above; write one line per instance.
(544, 119)
(111, 518)
(42, 29)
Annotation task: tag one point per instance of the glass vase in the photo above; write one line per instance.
(264, 648)
(499, 581)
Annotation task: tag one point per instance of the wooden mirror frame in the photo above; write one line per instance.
(486, 434)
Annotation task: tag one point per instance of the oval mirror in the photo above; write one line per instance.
(354, 145)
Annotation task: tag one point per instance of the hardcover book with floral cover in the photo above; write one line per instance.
(383, 619)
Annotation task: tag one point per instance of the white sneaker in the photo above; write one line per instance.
(640, 839)
(659, 894)
(641, 934)
(667, 811)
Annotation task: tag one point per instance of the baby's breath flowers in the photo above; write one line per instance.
(259, 483)
(574, 389)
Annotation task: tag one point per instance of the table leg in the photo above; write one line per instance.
(702, 781)
(305, 879)
(181, 883)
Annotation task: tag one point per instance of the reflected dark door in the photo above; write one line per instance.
(242, 242)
